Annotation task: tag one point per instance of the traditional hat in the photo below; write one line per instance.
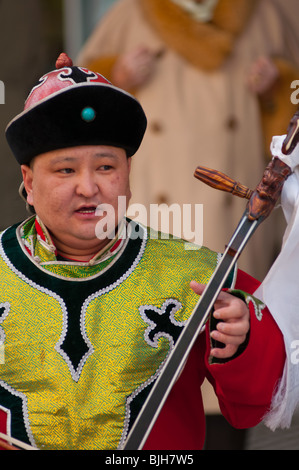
(73, 106)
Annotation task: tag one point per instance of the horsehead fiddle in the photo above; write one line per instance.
(261, 202)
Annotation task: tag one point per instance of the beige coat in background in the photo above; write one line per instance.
(200, 110)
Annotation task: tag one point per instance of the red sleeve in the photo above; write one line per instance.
(245, 385)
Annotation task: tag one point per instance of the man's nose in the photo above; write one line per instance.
(87, 184)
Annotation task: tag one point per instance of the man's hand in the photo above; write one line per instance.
(234, 323)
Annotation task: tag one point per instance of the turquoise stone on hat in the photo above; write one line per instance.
(88, 114)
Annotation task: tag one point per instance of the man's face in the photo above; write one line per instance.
(66, 186)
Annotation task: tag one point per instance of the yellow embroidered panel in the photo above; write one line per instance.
(79, 353)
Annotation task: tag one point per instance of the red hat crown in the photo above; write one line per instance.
(64, 76)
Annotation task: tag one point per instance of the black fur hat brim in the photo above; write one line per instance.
(56, 122)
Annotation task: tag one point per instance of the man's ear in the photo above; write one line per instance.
(28, 179)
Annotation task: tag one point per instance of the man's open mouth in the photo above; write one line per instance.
(87, 210)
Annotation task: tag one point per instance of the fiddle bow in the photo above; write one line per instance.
(10, 443)
(261, 202)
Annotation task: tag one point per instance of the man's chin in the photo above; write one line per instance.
(98, 228)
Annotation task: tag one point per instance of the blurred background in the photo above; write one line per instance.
(32, 35)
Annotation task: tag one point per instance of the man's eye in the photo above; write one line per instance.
(105, 167)
(66, 170)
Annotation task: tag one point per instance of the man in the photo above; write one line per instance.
(90, 314)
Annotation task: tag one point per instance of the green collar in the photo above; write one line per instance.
(36, 240)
